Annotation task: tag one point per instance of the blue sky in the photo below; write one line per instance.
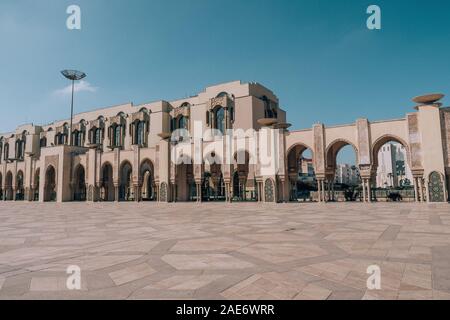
(316, 55)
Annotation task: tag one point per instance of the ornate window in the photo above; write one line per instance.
(270, 108)
(61, 136)
(141, 133)
(59, 139)
(182, 122)
(220, 114)
(20, 149)
(96, 132)
(43, 142)
(92, 133)
(117, 136)
(117, 131)
(77, 137)
(79, 133)
(181, 117)
(231, 113)
(139, 127)
(98, 137)
(139, 130)
(219, 119)
(6, 152)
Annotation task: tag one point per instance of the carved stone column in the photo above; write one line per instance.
(421, 194)
(416, 195)
(116, 192)
(199, 191)
(137, 192)
(320, 190)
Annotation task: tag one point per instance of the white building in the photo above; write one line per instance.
(306, 173)
(393, 169)
(347, 174)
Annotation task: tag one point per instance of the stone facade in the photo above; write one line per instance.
(126, 152)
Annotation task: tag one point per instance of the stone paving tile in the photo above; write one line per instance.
(313, 292)
(224, 251)
(51, 284)
(132, 273)
(205, 262)
(93, 262)
(210, 244)
(192, 282)
(284, 252)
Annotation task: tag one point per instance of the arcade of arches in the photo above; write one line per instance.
(126, 156)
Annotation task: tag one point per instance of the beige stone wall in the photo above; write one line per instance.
(425, 134)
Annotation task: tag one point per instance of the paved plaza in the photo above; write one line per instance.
(224, 251)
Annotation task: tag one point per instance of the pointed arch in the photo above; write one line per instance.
(79, 183)
(147, 180)
(213, 184)
(126, 192)
(106, 182)
(50, 184)
(380, 142)
(244, 181)
(333, 150)
(301, 172)
(8, 186)
(20, 190)
(36, 183)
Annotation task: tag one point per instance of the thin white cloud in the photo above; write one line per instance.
(80, 86)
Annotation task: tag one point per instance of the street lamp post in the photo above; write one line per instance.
(72, 75)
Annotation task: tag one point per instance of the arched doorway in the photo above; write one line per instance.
(343, 179)
(302, 178)
(20, 191)
(50, 184)
(244, 182)
(36, 185)
(213, 186)
(391, 170)
(185, 188)
(147, 181)
(107, 184)
(238, 193)
(79, 184)
(8, 186)
(126, 192)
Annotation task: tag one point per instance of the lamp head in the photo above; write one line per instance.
(73, 74)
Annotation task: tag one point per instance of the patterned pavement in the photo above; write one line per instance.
(224, 251)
